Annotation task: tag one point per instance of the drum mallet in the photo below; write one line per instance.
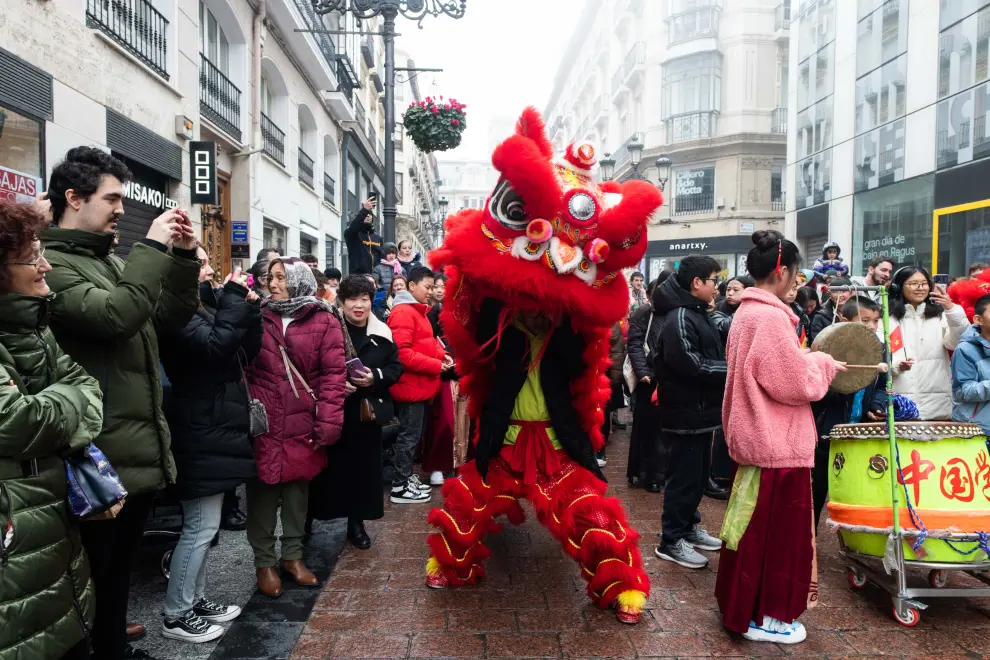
(882, 367)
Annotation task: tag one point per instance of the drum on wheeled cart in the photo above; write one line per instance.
(910, 496)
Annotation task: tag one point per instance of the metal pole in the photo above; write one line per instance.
(388, 230)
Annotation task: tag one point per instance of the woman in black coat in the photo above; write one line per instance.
(208, 416)
(351, 485)
(646, 455)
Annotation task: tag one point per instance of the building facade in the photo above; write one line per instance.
(698, 81)
(888, 142)
(296, 114)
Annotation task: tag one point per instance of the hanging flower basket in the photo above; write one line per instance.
(435, 124)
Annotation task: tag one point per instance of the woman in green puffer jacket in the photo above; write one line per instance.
(49, 408)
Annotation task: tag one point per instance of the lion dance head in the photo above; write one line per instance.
(549, 240)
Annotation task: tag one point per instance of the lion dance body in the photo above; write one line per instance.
(535, 285)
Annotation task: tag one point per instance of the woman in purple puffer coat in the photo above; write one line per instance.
(300, 377)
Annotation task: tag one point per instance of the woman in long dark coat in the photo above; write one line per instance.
(351, 485)
(207, 414)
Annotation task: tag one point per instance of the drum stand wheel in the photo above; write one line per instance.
(938, 578)
(906, 615)
(857, 579)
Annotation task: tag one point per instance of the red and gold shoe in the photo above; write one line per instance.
(629, 606)
(435, 578)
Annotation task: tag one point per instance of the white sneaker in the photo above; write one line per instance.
(436, 478)
(408, 494)
(190, 628)
(415, 482)
(215, 612)
(776, 631)
(699, 538)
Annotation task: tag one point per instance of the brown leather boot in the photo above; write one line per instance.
(300, 574)
(269, 583)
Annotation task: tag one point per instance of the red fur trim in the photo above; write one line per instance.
(967, 292)
(639, 200)
(531, 125)
(476, 554)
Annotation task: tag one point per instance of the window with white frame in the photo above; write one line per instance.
(212, 41)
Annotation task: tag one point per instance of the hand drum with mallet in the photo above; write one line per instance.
(859, 348)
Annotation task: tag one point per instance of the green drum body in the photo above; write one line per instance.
(945, 469)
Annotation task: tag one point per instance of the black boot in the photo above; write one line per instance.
(232, 519)
(716, 492)
(357, 535)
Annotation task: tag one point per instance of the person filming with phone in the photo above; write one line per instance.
(355, 462)
(364, 244)
(924, 326)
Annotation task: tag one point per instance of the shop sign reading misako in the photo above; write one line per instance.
(147, 195)
(203, 170)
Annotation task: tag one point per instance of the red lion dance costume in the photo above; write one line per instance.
(967, 292)
(535, 287)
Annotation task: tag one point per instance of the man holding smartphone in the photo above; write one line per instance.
(364, 244)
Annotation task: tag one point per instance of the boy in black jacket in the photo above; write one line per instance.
(867, 405)
(690, 370)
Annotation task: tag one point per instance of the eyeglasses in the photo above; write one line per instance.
(34, 264)
(917, 285)
(713, 280)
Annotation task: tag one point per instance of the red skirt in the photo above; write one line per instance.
(774, 570)
(437, 445)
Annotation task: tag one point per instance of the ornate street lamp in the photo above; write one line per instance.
(635, 153)
(607, 167)
(389, 10)
(443, 208)
(663, 170)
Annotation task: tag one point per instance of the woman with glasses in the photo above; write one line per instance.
(49, 408)
(925, 325)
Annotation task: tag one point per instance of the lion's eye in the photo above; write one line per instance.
(508, 207)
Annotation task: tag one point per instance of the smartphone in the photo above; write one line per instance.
(373, 195)
(354, 367)
(942, 279)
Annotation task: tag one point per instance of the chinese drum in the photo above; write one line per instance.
(852, 343)
(946, 469)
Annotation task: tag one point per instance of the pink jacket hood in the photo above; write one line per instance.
(771, 383)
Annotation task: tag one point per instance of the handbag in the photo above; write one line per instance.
(628, 373)
(367, 411)
(257, 414)
(95, 491)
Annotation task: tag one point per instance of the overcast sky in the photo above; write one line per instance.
(502, 56)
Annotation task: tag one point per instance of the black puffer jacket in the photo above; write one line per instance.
(641, 340)
(689, 361)
(364, 244)
(208, 409)
(822, 319)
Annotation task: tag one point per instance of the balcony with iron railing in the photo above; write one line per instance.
(359, 115)
(692, 126)
(306, 169)
(324, 42)
(632, 64)
(695, 203)
(778, 121)
(782, 16)
(329, 188)
(272, 140)
(136, 26)
(698, 22)
(219, 99)
(778, 200)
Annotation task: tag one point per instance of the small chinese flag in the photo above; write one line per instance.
(804, 338)
(896, 340)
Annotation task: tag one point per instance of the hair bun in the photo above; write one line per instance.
(765, 239)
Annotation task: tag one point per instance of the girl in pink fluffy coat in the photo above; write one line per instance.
(767, 573)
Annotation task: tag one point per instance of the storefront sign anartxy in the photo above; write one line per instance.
(18, 186)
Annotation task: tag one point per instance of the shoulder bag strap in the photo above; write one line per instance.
(291, 369)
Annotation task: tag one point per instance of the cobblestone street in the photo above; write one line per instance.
(375, 604)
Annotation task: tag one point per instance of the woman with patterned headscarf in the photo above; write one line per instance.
(300, 376)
